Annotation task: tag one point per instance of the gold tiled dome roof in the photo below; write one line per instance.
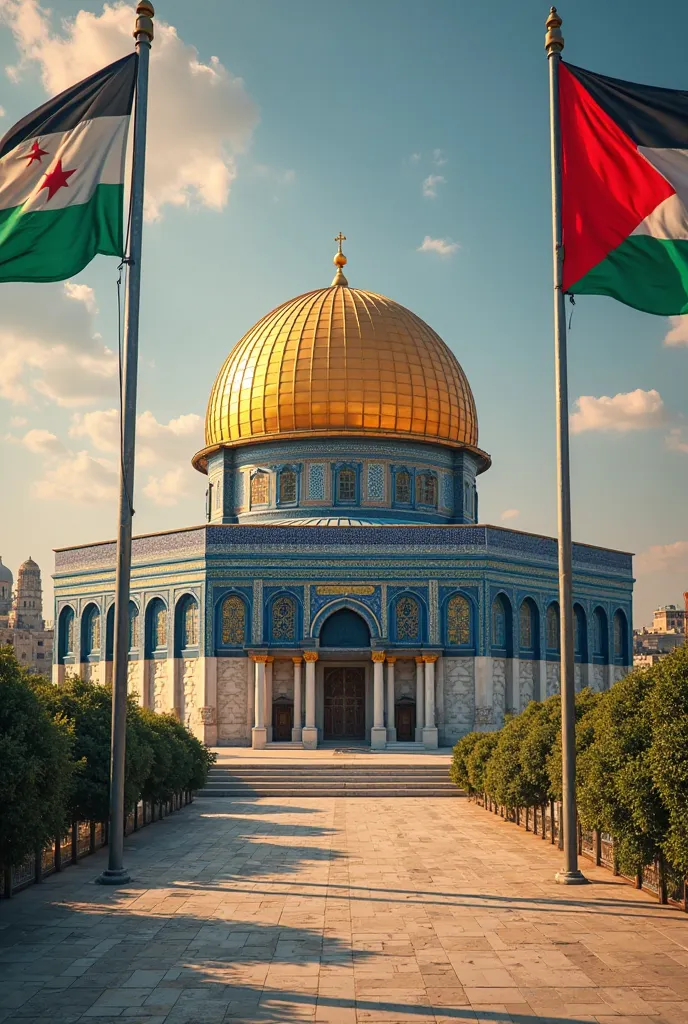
(339, 362)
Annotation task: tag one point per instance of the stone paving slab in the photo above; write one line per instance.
(339, 911)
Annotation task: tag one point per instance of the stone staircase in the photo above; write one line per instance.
(247, 781)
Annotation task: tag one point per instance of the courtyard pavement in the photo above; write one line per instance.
(339, 910)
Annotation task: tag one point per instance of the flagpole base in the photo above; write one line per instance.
(570, 878)
(119, 877)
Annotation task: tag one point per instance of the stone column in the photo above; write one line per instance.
(378, 734)
(391, 727)
(430, 737)
(420, 699)
(309, 733)
(268, 696)
(259, 735)
(296, 729)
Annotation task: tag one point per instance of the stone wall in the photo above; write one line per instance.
(283, 679)
(192, 690)
(526, 682)
(459, 699)
(499, 690)
(159, 685)
(232, 702)
(599, 681)
(405, 679)
(553, 677)
(135, 679)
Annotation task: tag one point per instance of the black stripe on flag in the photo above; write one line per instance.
(649, 115)
(108, 93)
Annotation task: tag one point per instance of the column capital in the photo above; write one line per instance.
(391, 659)
(419, 659)
(270, 658)
(260, 659)
(310, 655)
(430, 659)
(297, 659)
(378, 656)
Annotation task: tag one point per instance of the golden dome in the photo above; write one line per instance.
(340, 362)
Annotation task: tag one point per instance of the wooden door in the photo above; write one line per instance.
(282, 721)
(344, 693)
(405, 722)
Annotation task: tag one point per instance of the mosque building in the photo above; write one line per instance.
(21, 617)
(342, 588)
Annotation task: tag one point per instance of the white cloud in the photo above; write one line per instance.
(42, 442)
(636, 410)
(165, 489)
(510, 513)
(430, 185)
(2, 111)
(200, 116)
(660, 557)
(415, 158)
(81, 293)
(79, 479)
(676, 440)
(442, 246)
(277, 177)
(438, 157)
(678, 331)
(49, 347)
(18, 421)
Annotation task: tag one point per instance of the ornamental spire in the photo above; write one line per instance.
(339, 261)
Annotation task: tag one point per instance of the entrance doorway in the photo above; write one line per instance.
(344, 693)
(405, 721)
(282, 722)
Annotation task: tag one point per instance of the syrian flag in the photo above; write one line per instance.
(624, 190)
(62, 179)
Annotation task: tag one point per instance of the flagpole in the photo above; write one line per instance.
(115, 874)
(570, 875)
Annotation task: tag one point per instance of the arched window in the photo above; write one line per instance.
(402, 487)
(620, 639)
(260, 488)
(156, 627)
(499, 623)
(90, 632)
(600, 650)
(284, 619)
(233, 621)
(110, 632)
(407, 619)
(346, 485)
(287, 486)
(134, 636)
(580, 634)
(66, 634)
(426, 489)
(552, 628)
(190, 623)
(459, 621)
(529, 629)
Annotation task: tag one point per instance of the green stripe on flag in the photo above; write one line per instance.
(51, 245)
(647, 273)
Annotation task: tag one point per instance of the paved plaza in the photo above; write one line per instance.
(339, 910)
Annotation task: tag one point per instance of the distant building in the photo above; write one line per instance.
(21, 618)
(669, 619)
(668, 631)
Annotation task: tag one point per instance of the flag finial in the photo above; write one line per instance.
(339, 261)
(554, 40)
(145, 12)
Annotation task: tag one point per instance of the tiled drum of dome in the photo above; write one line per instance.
(376, 482)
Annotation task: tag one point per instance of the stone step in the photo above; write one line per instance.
(366, 791)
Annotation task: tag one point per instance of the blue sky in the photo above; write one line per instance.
(342, 114)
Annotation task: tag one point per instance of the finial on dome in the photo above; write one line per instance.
(339, 261)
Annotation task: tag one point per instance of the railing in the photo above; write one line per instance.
(84, 838)
(657, 878)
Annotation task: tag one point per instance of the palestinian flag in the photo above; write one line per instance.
(62, 179)
(624, 190)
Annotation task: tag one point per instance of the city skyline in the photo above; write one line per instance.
(248, 184)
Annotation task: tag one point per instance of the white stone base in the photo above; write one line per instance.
(259, 738)
(378, 738)
(309, 737)
(418, 737)
(296, 734)
(430, 739)
(391, 735)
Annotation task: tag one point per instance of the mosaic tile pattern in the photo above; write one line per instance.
(376, 481)
(316, 481)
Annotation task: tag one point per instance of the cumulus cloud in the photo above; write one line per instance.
(635, 410)
(79, 479)
(678, 331)
(49, 347)
(438, 157)
(660, 557)
(676, 440)
(156, 442)
(510, 513)
(430, 185)
(200, 115)
(42, 442)
(165, 489)
(442, 246)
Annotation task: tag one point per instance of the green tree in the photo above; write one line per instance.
(511, 779)
(536, 750)
(616, 791)
(171, 765)
(35, 766)
(458, 770)
(668, 706)
(586, 703)
(478, 760)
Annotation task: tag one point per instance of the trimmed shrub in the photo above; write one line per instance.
(458, 770)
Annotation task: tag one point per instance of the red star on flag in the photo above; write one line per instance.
(35, 153)
(56, 179)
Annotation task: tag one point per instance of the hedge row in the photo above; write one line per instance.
(631, 762)
(55, 758)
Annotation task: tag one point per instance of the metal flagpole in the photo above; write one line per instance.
(115, 873)
(570, 875)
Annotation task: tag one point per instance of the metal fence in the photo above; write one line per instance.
(657, 878)
(84, 838)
